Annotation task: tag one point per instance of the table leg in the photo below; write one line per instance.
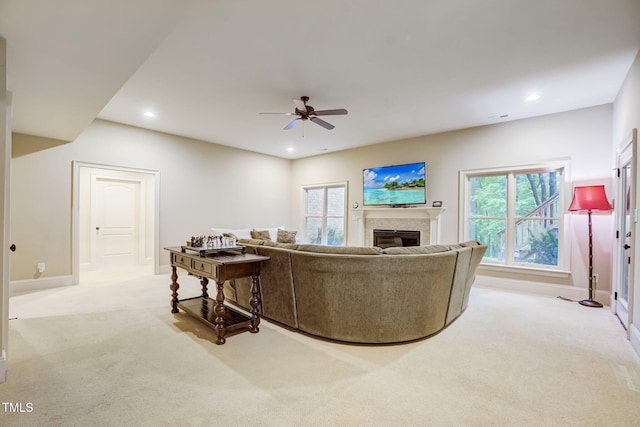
(255, 302)
(219, 311)
(204, 282)
(174, 289)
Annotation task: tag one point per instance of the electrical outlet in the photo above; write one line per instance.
(41, 267)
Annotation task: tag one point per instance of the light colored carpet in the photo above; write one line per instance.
(109, 352)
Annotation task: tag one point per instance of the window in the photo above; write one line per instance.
(517, 213)
(325, 214)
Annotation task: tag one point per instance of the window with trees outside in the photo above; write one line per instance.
(517, 213)
(325, 214)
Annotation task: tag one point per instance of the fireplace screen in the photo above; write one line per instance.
(389, 238)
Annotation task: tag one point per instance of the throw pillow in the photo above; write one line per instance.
(273, 231)
(285, 236)
(260, 234)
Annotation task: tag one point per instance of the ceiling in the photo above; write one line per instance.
(207, 68)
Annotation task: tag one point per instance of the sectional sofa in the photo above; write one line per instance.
(361, 294)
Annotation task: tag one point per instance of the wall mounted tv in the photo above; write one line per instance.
(398, 185)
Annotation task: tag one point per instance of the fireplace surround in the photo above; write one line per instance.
(426, 220)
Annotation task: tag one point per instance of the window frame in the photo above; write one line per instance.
(562, 269)
(325, 187)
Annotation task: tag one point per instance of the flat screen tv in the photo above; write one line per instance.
(397, 185)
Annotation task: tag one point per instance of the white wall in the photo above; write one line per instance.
(582, 136)
(626, 116)
(205, 185)
(202, 185)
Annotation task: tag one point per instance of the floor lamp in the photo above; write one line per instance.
(590, 198)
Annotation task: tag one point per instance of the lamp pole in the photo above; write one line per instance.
(590, 302)
(590, 198)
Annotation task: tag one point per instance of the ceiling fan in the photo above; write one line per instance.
(307, 112)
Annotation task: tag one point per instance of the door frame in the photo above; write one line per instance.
(627, 154)
(75, 212)
(630, 142)
(5, 230)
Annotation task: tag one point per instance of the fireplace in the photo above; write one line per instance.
(388, 238)
(426, 220)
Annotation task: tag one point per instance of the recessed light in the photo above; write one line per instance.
(532, 97)
(149, 114)
(289, 148)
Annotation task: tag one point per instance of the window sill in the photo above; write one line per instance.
(528, 271)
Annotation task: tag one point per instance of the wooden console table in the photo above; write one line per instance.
(219, 266)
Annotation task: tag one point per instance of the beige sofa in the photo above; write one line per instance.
(362, 294)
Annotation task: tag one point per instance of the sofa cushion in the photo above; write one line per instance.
(254, 242)
(407, 250)
(454, 246)
(276, 284)
(292, 246)
(351, 250)
(285, 236)
(260, 234)
(470, 243)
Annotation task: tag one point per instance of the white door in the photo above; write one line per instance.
(625, 216)
(115, 222)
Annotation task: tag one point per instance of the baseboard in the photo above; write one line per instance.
(3, 367)
(545, 289)
(17, 287)
(634, 337)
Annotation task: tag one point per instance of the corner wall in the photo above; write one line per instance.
(202, 185)
(581, 136)
(626, 116)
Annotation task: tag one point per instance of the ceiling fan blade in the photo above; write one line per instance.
(291, 124)
(300, 105)
(339, 111)
(322, 123)
(281, 114)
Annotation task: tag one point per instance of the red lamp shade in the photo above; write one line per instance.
(589, 198)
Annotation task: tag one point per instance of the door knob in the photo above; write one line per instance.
(97, 228)
(12, 247)
(627, 246)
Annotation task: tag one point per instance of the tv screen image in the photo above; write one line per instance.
(395, 185)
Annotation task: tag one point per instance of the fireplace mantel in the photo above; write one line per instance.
(428, 220)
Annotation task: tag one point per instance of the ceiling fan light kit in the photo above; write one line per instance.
(307, 112)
